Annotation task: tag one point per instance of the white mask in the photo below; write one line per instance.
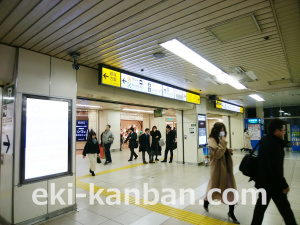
(222, 133)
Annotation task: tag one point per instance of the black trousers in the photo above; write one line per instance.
(144, 156)
(132, 153)
(168, 148)
(282, 203)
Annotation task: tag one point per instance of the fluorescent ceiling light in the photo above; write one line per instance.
(138, 110)
(189, 55)
(257, 97)
(225, 78)
(90, 106)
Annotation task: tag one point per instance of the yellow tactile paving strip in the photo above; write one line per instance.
(180, 214)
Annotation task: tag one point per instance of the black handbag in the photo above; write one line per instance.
(136, 144)
(98, 159)
(248, 165)
(174, 145)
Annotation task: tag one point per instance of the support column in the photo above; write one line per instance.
(113, 118)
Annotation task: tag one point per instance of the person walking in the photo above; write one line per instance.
(155, 147)
(145, 145)
(107, 140)
(221, 168)
(132, 137)
(92, 149)
(270, 174)
(247, 141)
(170, 140)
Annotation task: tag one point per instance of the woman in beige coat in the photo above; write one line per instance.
(221, 168)
(247, 143)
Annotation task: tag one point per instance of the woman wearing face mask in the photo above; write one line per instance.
(155, 147)
(247, 143)
(221, 168)
(92, 149)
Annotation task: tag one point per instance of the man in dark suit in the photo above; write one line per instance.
(170, 140)
(145, 145)
(270, 174)
(132, 139)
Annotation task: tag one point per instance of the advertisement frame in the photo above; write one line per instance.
(23, 140)
(205, 129)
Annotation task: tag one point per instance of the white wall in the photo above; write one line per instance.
(237, 131)
(34, 77)
(179, 131)
(191, 141)
(114, 120)
(7, 62)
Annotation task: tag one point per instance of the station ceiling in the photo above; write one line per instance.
(125, 34)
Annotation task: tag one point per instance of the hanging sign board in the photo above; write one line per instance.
(111, 77)
(228, 106)
(115, 78)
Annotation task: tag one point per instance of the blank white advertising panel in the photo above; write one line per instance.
(46, 137)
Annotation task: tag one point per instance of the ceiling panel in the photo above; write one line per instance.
(126, 33)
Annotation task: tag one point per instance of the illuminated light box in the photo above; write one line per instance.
(46, 139)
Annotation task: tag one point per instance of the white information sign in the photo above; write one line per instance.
(140, 85)
(168, 92)
(180, 95)
(8, 121)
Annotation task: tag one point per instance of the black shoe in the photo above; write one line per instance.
(145, 162)
(93, 173)
(170, 161)
(106, 163)
(129, 160)
(151, 162)
(206, 203)
(164, 161)
(156, 159)
(136, 157)
(232, 217)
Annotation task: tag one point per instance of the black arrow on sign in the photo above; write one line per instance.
(7, 143)
(105, 76)
(124, 81)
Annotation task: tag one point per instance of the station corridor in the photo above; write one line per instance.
(122, 174)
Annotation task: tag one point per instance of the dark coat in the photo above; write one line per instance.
(144, 142)
(91, 148)
(155, 147)
(132, 141)
(170, 140)
(270, 164)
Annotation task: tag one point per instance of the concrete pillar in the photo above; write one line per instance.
(260, 113)
(93, 120)
(113, 118)
(39, 75)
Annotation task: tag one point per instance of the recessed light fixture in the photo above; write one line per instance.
(189, 55)
(257, 97)
(187, 81)
(158, 55)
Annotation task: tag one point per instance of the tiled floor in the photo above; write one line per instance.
(165, 175)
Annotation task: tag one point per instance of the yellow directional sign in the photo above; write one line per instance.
(111, 77)
(193, 98)
(218, 104)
